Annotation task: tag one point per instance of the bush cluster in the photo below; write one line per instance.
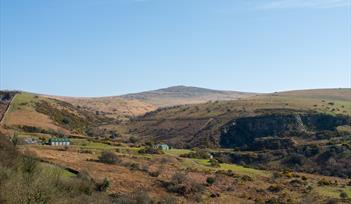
(198, 154)
(108, 158)
(150, 150)
(184, 186)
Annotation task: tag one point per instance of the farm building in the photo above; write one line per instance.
(59, 142)
(161, 146)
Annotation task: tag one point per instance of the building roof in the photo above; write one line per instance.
(59, 140)
(161, 145)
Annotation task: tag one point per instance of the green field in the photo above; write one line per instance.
(23, 100)
(334, 192)
(177, 152)
(52, 169)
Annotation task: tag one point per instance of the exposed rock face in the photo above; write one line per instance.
(322, 122)
(244, 131)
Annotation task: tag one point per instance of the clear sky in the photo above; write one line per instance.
(112, 47)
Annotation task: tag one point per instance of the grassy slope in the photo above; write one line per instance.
(289, 100)
(22, 112)
(179, 124)
(28, 109)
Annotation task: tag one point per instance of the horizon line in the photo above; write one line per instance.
(120, 95)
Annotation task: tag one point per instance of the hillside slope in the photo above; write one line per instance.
(112, 107)
(180, 95)
(307, 131)
(122, 107)
(34, 113)
(201, 124)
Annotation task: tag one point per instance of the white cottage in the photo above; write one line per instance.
(59, 142)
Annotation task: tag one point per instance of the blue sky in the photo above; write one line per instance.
(112, 47)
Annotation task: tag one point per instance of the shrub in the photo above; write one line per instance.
(66, 120)
(86, 151)
(168, 200)
(294, 160)
(178, 178)
(134, 166)
(214, 163)
(7, 151)
(108, 158)
(154, 173)
(102, 187)
(246, 178)
(137, 197)
(344, 195)
(14, 139)
(332, 201)
(210, 180)
(29, 164)
(150, 150)
(198, 154)
(274, 188)
(324, 182)
(181, 185)
(133, 139)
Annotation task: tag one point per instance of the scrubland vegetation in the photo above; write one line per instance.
(278, 148)
(24, 180)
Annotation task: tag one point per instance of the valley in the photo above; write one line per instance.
(226, 147)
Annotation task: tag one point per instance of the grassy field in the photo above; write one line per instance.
(333, 192)
(50, 168)
(88, 144)
(177, 152)
(23, 100)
